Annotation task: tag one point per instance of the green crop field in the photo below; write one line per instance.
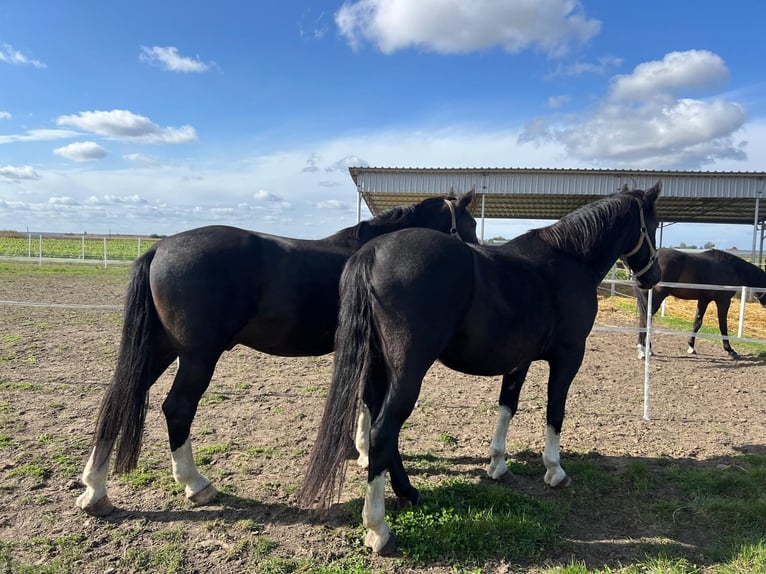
(75, 247)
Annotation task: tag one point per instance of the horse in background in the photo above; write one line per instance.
(201, 292)
(712, 267)
(413, 297)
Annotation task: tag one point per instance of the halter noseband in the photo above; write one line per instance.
(453, 229)
(644, 235)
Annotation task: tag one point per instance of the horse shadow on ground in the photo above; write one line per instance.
(619, 509)
(614, 514)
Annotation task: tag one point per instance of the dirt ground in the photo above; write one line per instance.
(258, 421)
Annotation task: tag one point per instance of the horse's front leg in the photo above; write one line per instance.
(723, 325)
(562, 371)
(180, 406)
(508, 405)
(699, 315)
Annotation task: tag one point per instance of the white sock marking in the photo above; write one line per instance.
(554, 473)
(362, 439)
(497, 465)
(185, 471)
(374, 513)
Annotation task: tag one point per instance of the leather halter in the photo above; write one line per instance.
(644, 236)
(453, 229)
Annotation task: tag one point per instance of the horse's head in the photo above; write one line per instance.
(461, 222)
(641, 258)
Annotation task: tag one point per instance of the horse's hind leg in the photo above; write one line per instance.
(180, 406)
(701, 308)
(723, 313)
(94, 501)
(384, 455)
(508, 405)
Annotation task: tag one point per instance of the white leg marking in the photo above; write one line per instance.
(362, 439)
(554, 474)
(185, 471)
(374, 514)
(691, 350)
(95, 483)
(497, 466)
(641, 351)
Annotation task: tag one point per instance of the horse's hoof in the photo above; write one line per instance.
(733, 355)
(204, 496)
(101, 507)
(566, 483)
(412, 499)
(691, 351)
(390, 547)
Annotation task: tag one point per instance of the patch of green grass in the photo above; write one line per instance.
(265, 452)
(454, 522)
(30, 470)
(447, 439)
(212, 399)
(141, 477)
(317, 390)
(11, 386)
(5, 440)
(205, 454)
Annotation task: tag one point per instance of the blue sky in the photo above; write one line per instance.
(155, 117)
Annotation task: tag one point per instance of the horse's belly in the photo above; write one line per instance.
(304, 341)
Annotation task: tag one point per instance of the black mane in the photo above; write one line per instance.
(581, 231)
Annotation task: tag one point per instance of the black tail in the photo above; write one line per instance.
(355, 348)
(123, 409)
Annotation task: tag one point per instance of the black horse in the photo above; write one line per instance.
(196, 294)
(712, 267)
(410, 298)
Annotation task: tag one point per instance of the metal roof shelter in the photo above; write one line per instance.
(521, 193)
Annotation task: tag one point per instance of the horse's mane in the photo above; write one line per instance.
(581, 230)
(392, 218)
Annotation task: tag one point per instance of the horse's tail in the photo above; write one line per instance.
(355, 350)
(123, 408)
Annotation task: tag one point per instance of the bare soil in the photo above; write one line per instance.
(258, 421)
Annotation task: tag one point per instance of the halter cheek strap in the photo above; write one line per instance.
(453, 229)
(643, 236)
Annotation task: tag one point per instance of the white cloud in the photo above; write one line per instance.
(9, 55)
(459, 26)
(38, 135)
(168, 58)
(5, 115)
(62, 200)
(141, 159)
(332, 204)
(263, 195)
(123, 124)
(601, 66)
(17, 173)
(81, 151)
(676, 73)
(558, 101)
(344, 163)
(643, 122)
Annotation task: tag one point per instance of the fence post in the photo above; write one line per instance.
(648, 346)
(742, 307)
(104, 251)
(614, 277)
(138, 251)
(40, 251)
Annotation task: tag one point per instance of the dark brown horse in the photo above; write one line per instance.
(712, 267)
(196, 294)
(412, 297)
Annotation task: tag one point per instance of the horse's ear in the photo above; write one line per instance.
(467, 198)
(653, 193)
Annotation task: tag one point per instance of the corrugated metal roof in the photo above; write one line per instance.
(522, 193)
